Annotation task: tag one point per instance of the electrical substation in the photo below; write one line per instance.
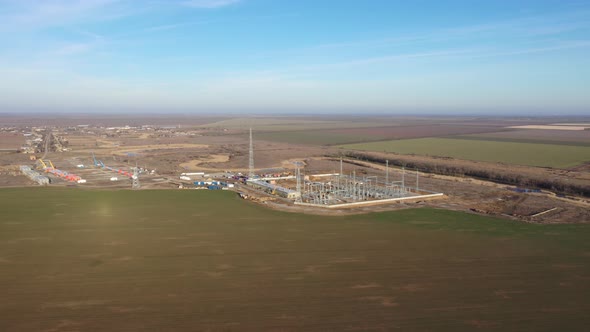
(339, 190)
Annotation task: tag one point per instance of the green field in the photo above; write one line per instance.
(559, 137)
(530, 154)
(80, 260)
(314, 137)
(547, 140)
(290, 124)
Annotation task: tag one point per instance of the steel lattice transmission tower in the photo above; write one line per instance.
(298, 199)
(135, 178)
(251, 162)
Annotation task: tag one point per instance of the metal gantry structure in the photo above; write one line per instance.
(349, 188)
(341, 188)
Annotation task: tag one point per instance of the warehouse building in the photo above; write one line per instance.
(274, 189)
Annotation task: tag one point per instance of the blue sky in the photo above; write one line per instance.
(304, 56)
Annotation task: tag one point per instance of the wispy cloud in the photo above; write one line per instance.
(23, 16)
(164, 27)
(394, 58)
(209, 3)
(524, 27)
(73, 48)
(549, 48)
(515, 37)
(52, 12)
(254, 18)
(107, 49)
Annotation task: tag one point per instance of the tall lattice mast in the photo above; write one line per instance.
(298, 184)
(251, 163)
(340, 175)
(135, 178)
(387, 172)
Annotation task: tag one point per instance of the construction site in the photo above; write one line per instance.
(284, 176)
(338, 190)
(298, 185)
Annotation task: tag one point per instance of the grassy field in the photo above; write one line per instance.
(286, 124)
(208, 261)
(546, 140)
(530, 154)
(316, 137)
(363, 134)
(559, 137)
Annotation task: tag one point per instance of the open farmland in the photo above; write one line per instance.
(296, 123)
(11, 140)
(567, 137)
(529, 154)
(316, 137)
(108, 120)
(363, 134)
(201, 260)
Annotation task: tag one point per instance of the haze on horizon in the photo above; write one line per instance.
(281, 56)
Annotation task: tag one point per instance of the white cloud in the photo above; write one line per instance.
(175, 25)
(73, 48)
(54, 11)
(209, 3)
(28, 15)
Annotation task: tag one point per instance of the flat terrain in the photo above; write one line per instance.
(574, 137)
(11, 140)
(201, 260)
(45, 119)
(356, 134)
(297, 123)
(528, 154)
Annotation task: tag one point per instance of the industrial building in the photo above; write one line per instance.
(275, 189)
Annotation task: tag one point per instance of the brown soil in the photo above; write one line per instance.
(11, 140)
(214, 158)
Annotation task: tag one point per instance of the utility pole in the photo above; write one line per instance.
(299, 184)
(404, 178)
(251, 161)
(135, 178)
(386, 172)
(354, 189)
(340, 175)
